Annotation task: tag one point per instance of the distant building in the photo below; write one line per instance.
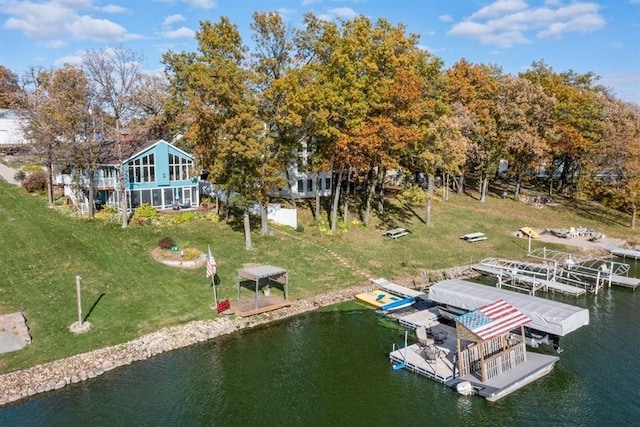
(11, 129)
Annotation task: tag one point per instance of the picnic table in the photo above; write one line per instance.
(396, 232)
(474, 237)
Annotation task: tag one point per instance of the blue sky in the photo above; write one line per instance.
(602, 36)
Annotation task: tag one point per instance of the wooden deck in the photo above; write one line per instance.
(247, 306)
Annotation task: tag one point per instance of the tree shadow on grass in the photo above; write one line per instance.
(594, 212)
(86, 317)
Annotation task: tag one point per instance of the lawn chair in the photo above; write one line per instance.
(429, 350)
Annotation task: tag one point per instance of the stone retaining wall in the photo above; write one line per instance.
(60, 373)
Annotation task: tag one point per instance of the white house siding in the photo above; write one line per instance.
(303, 185)
(10, 128)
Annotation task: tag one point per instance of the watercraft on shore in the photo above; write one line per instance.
(385, 301)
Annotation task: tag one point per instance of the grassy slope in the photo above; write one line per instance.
(126, 293)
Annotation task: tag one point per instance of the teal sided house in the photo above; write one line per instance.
(155, 172)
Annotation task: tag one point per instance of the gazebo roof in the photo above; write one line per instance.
(261, 271)
(493, 319)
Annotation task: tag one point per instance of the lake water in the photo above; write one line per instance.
(331, 367)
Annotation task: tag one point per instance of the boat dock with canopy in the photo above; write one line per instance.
(547, 316)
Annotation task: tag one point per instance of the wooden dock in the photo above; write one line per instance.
(625, 281)
(624, 253)
(392, 288)
(443, 369)
(247, 307)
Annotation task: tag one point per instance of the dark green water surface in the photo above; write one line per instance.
(331, 368)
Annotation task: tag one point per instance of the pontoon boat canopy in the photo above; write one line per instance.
(546, 315)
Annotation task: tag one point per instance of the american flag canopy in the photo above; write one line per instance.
(493, 319)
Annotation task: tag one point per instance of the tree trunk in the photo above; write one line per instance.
(293, 199)
(50, 183)
(430, 185)
(122, 190)
(370, 192)
(445, 186)
(336, 200)
(247, 230)
(382, 172)
(461, 185)
(634, 211)
(317, 210)
(264, 219)
(484, 186)
(92, 186)
(347, 196)
(516, 194)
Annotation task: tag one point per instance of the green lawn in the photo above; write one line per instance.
(126, 293)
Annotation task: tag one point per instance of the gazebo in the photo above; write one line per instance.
(491, 350)
(264, 274)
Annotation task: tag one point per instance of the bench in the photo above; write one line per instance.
(396, 232)
(473, 237)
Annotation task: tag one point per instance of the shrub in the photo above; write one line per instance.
(145, 210)
(35, 182)
(20, 175)
(32, 168)
(191, 253)
(166, 243)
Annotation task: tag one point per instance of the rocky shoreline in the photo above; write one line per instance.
(55, 375)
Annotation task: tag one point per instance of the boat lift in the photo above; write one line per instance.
(527, 276)
(584, 268)
(570, 277)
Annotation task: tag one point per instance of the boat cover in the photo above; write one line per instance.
(546, 315)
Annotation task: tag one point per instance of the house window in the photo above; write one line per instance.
(300, 186)
(179, 168)
(156, 195)
(327, 183)
(135, 199)
(168, 196)
(146, 196)
(142, 169)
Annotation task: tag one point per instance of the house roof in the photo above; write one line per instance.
(493, 319)
(109, 150)
(109, 154)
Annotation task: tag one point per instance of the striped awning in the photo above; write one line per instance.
(493, 319)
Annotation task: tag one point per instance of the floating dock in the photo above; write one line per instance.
(392, 288)
(624, 253)
(443, 368)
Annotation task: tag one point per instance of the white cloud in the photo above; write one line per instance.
(112, 8)
(343, 12)
(506, 23)
(172, 19)
(180, 33)
(75, 59)
(96, 29)
(500, 8)
(201, 4)
(445, 18)
(59, 20)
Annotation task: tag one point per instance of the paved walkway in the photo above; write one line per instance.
(7, 174)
